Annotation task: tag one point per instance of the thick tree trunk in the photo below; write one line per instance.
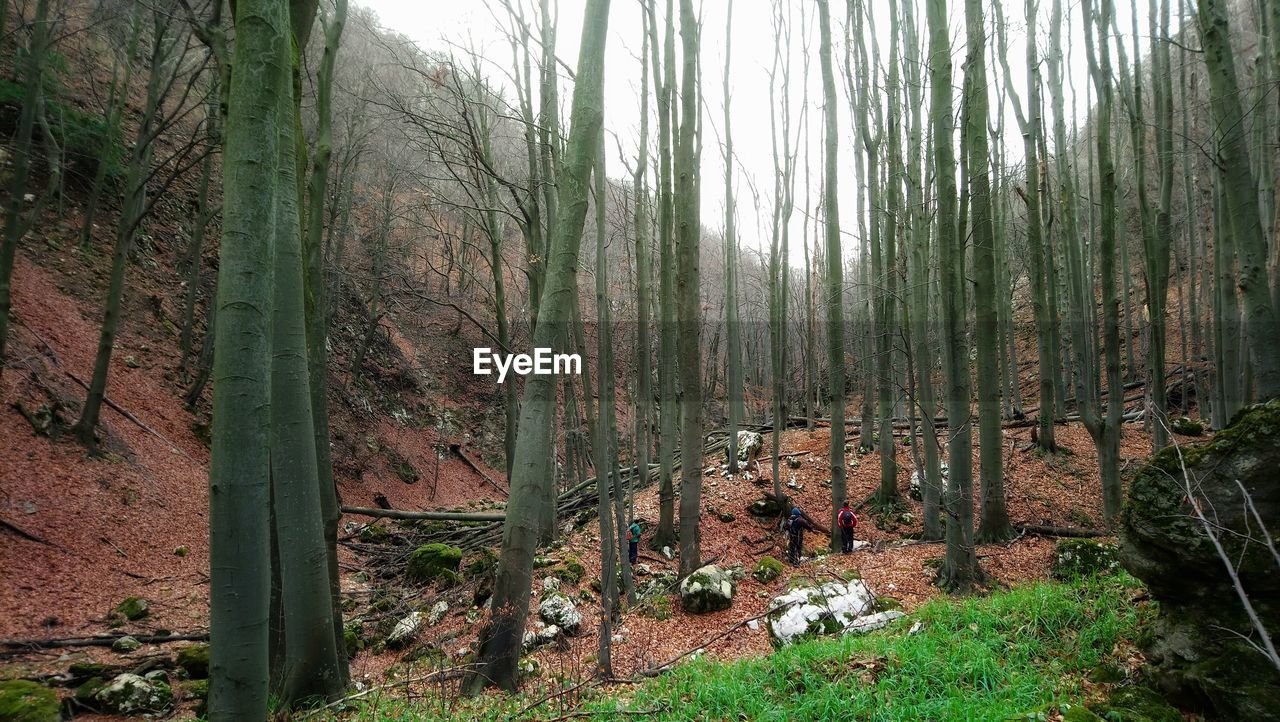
(239, 470)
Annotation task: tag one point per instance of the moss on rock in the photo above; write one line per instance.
(25, 701)
(432, 561)
(133, 608)
(194, 658)
(1197, 655)
(767, 570)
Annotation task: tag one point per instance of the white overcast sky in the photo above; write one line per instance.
(439, 25)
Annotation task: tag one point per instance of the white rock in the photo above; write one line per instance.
(405, 630)
(559, 610)
(550, 584)
(666, 552)
(753, 625)
(834, 607)
(437, 612)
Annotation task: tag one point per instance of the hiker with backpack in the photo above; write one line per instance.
(795, 527)
(847, 521)
(633, 541)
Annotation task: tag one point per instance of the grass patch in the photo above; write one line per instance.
(993, 657)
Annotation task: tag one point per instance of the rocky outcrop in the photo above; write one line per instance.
(1202, 652)
(831, 609)
(709, 589)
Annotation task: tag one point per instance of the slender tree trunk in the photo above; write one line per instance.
(688, 275)
(501, 638)
(835, 271)
(960, 569)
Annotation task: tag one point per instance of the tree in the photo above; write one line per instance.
(502, 637)
(995, 514)
(688, 304)
(733, 329)
(1241, 196)
(16, 221)
(240, 465)
(835, 270)
(960, 569)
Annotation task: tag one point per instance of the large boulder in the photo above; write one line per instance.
(709, 589)
(559, 610)
(130, 694)
(433, 561)
(833, 608)
(1202, 652)
(749, 445)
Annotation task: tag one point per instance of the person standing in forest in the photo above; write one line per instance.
(847, 520)
(795, 527)
(633, 541)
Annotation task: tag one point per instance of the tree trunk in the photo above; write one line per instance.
(501, 638)
(239, 470)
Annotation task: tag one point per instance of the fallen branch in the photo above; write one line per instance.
(457, 449)
(26, 534)
(1061, 531)
(425, 515)
(106, 640)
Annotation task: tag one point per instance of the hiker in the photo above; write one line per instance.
(795, 527)
(633, 541)
(847, 521)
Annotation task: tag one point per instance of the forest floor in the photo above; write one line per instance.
(133, 521)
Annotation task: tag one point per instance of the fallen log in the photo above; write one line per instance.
(1074, 532)
(105, 640)
(425, 515)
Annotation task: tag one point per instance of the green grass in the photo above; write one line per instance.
(987, 658)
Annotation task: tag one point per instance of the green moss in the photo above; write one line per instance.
(133, 608)
(25, 701)
(375, 534)
(570, 571)
(196, 690)
(482, 564)
(885, 604)
(658, 607)
(194, 658)
(767, 570)
(432, 561)
(1187, 427)
(401, 467)
(1131, 703)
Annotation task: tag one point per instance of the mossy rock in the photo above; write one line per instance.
(767, 570)
(767, 507)
(85, 693)
(886, 604)
(1107, 674)
(81, 671)
(194, 658)
(1187, 427)
(1197, 654)
(1077, 558)
(375, 534)
(196, 690)
(570, 571)
(133, 608)
(125, 645)
(25, 701)
(432, 561)
(352, 642)
(1131, 703)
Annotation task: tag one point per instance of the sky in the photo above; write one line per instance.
(441, 25)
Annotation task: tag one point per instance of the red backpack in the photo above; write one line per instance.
(847, 518)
